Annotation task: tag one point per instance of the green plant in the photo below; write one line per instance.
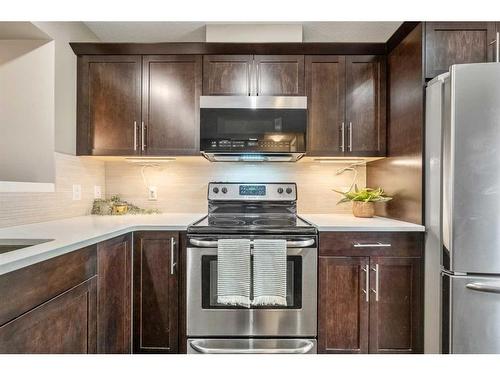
(363, 195)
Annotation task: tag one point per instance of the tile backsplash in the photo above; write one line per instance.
(25, 208)
(182, 184)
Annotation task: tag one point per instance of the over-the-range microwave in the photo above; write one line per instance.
(253, 128)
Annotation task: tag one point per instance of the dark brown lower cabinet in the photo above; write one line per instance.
(156, 292)
(65, 324)
(370, 293)
(342, 305)
(395, 305)
(114, 295)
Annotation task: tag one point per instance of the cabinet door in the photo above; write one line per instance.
(227, 74)
(65, 324)
(448, 43)
(343, 305)
(325, 88)
(171, 93)
(109, 105)
(155, 292)
(114, 310)
(365, 105)
(396, 305)
(279, 75)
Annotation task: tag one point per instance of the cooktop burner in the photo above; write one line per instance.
(251, 208)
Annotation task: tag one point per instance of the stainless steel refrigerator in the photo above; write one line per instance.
(463, 209)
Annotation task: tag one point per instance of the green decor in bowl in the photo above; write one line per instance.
(363, 200)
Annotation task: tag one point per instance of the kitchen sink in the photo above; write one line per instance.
(7, 245)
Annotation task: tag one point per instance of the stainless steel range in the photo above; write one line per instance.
(252, 211)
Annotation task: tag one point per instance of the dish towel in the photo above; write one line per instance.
(233, 272)
(269, 273)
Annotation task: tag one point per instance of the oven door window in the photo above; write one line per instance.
(209, 284)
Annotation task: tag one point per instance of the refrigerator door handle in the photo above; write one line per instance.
(484, 287)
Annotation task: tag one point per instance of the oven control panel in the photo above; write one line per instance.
(236, 191)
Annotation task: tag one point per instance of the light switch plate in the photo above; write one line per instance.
(152, 193)
(77, 192)
(97, 192)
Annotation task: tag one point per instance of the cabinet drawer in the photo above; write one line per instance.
(30, 286)
(394, 244)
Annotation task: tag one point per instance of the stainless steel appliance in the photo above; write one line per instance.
(253, 128)
(463, 207)
(252, 210)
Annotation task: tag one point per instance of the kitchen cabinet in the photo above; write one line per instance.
(109, 105)
(281, 75)
(170, 110)
(448, 43)
(370, 288)
(133, 105)
(342, 304)
(51, 307)
(346, 105)
(156, 292)
(114, 308)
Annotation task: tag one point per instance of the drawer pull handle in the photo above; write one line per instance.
(377, 244)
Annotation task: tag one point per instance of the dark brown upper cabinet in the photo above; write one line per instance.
(156, 292)
(109, 105)
(170, 105)
(448, 43)
(279, 75)
(253, 75)
(365, 105)
(325, 90)
(133, 105)
(346, 105)
(227, 74)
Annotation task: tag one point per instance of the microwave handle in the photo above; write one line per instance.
(290, 243)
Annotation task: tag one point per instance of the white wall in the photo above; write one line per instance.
(27, 111)
(65, 78)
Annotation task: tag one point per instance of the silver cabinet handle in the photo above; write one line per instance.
(249, 82)
(366, 291)
(143, 137)
(210, 243)
(376, 290)
(304, 348)
(497, 46)
(257, 78)
(349, 145)
(376, 244)
(484, 287)
(342, 137)
(172, 256)
(135, 135)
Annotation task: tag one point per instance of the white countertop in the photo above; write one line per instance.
(349, 223)
(78, 232)
(75, 233)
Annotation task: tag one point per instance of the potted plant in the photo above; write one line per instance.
(363, 201)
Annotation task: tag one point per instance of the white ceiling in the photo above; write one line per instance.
(152, 32)
(21, 30)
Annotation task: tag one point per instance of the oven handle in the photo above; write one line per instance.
(303, 349)
(289, 243)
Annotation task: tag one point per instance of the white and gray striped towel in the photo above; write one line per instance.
(269, 273)
(233, 272)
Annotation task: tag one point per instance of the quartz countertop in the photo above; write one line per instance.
(78, 232)
(349, 223)
(75, 233)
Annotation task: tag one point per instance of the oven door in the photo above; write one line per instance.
(207, 318)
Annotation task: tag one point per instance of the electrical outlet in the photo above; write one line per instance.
(77, 192)
(152, 193)
(97, 192)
